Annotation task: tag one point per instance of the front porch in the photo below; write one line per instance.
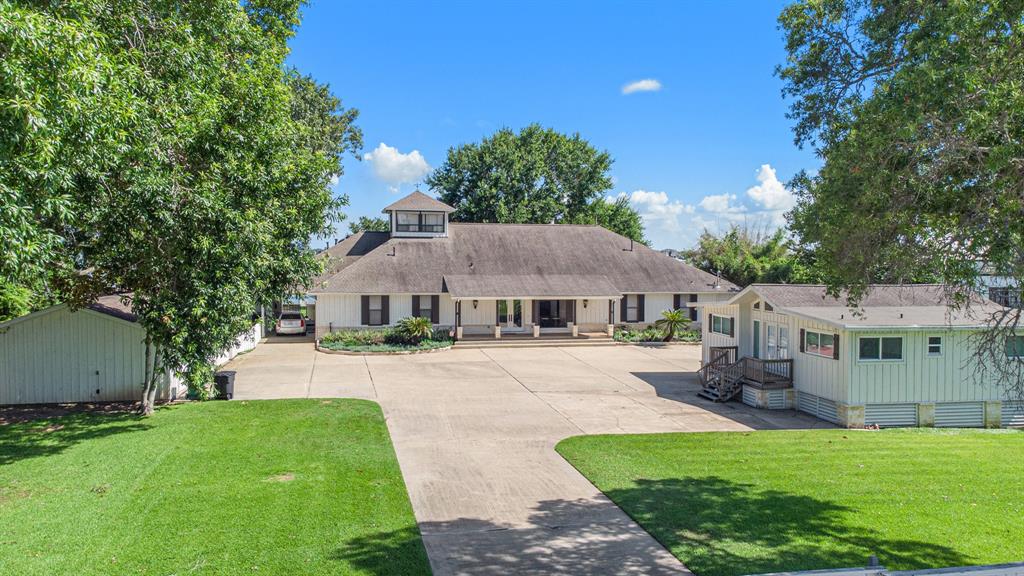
(534, 318)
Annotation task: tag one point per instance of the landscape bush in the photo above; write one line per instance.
(652, 334)
(407, 334)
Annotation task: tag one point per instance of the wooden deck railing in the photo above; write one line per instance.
(732, 352)
(769, 373)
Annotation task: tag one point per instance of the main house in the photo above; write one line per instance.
(501, 278)
(903, 358)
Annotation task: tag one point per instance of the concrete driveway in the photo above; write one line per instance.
(475, 430)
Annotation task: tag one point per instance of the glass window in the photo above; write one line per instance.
(408, 222)
(773, 347)
(935, 345)
(869, 349)
(892, 348)
(721, 325)
(376, 311)
(874, 348)
(768, 307)
(1005, 296)
(425, 311)
(632, 307)
(1015, 347)
(783, 342)
(433, 222)
(820, 344)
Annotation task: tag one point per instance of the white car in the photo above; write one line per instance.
(290, 323)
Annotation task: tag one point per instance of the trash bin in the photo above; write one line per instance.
(224, 382)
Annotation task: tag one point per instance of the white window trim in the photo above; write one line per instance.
(928, 346)
(724, 319)
(820, 334)
(901, 359)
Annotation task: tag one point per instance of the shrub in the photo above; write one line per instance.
(199, 379)
(652, 334)
(413, 330)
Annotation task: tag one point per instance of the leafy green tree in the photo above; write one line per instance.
(162, 149)
(745, 256)
(615, 215)
(365, 223)
(672, 321)
(537, 176)
(917, 110)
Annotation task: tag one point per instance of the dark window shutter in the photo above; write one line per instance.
(435, 313)
(802, 339)
(710, 323)
(677, 301)
(497, 313)
(365, 310)
(622, 308)
(732, 325)
(835, 347)
(535, 306)
(385, 311)
(640, 308)
(415, 306)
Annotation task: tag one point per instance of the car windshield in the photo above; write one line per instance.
(291, 316)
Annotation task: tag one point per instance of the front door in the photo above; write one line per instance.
(757, 338)
(510, 315)
(551, 313)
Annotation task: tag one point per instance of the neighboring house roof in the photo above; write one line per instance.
(883, 306)
(495, 253)
(114, 305)
(419, 201)
(348, 251)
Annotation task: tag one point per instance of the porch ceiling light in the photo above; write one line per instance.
(585, 301)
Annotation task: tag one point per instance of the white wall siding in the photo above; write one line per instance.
(918, 377)
(822, 377)
(710, 339)
(595, 315)
(655, 304)
(62, 356)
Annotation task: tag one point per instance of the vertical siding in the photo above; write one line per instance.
(919, 377)
(822, 377)
(655, 304)
(710, 339)
(64, 356)
(595, 315)
(343, 311)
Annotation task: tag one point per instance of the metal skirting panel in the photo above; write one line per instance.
(890, 415)
(776, 399)
(817, 406)
(749, 397)
(1013, 414)
(960, 415)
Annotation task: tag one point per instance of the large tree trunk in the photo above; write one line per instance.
(152, 369)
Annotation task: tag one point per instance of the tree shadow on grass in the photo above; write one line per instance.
(50, 436)
(717, 528)
(721, 527)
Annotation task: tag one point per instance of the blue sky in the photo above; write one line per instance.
(690, 145)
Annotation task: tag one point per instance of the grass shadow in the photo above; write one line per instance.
(720, 527)
(49, 436)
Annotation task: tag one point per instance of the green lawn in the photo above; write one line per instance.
(272, 487)
(736, 503)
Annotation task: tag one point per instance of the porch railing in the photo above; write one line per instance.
(769, 373)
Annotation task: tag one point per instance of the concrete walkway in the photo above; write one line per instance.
(475, 430)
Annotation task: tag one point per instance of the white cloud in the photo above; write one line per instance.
(722, 204)
(771, 194)
(657, 209)
(645, 85)
(393, 167)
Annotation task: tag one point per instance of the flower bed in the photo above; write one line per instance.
(652, 334)
(383, 341)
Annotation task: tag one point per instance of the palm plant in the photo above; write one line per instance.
(415, 329)
(672, 321)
